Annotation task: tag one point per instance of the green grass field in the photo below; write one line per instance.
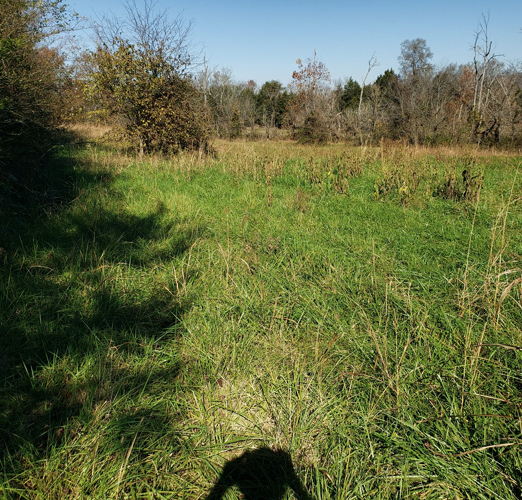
(354, 316)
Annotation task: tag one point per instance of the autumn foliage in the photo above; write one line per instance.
(32, 81)
(157, 108)
(308, 110)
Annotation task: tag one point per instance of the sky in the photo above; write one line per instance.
(261, 40)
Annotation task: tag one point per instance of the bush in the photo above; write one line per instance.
(31, 79)
(141, 80)
(314, 131)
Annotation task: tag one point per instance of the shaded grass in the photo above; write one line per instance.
(176, 313)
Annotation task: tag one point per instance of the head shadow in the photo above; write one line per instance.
(260, 474)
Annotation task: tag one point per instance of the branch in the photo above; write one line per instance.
(371, 64)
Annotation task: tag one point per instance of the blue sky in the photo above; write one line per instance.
(261, 40)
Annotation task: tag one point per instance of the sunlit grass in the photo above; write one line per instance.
(177, 312)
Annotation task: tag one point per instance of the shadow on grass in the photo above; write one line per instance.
(261, 474)
(81, 322)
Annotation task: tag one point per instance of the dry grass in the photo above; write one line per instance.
(89, 131)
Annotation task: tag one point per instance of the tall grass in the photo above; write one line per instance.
(172, 314)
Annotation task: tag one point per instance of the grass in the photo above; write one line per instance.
(272, 311)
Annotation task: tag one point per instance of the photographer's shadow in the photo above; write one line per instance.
(261, 474)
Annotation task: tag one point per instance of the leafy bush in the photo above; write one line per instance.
(31, 78)
(141, 80)
(314, 131)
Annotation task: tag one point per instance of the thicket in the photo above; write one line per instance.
(136, 80)
(32, 83)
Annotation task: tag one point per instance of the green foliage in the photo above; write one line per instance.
(351, 94)
(412, 180)
(31, 79)
(160, 108)
(314, 131)
(269, 93)
(272, 101)
(386, 80)
(235, 123)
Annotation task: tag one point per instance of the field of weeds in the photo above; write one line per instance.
(276, 322)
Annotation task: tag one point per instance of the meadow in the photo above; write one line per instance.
(343, 320)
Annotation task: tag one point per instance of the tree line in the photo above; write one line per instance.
(479, 102)
(147, 80)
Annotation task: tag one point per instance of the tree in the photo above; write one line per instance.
(309, 83)
(371, 64)
(484, 65)
(224, 96)
(386, 80)
(351, 92)
(413, 87)
(366, 120)
(248, 100)
(269, 101)
(32, 76)
(141, 77)
(415, 58)
(309, 108)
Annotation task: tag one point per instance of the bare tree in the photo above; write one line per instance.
(203, 79)
(366, 125)
(484, 64)
(154, 31)
(371, 64)
(232, 104)
(415, 58)
(412, 88)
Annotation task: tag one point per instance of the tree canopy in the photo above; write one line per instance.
(415, 57)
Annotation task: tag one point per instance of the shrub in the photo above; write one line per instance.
(31, 78)
(142, 81)
(314, 131)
